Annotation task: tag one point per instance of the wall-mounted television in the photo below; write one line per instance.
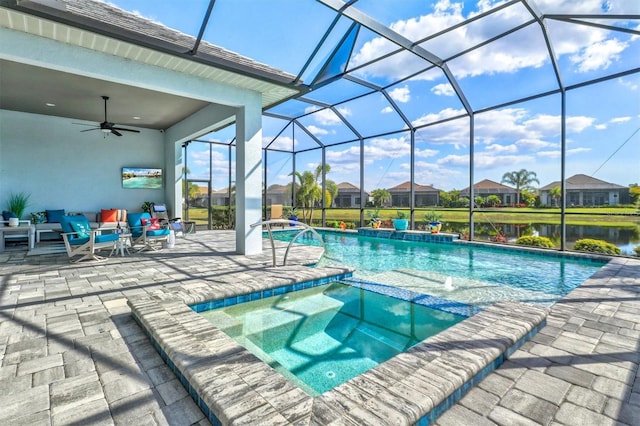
(141, 178)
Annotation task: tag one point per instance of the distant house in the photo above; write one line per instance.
(425, 195)
(200, 200)
(220, 197)
(278, 194)
(348, 196)
(487, 187)
(583, 190)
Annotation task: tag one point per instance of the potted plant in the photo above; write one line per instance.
(291, 214)
(374, 219)
(400, 223)
(433, 219)
(16, 204)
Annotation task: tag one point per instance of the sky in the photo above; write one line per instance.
(602, 120)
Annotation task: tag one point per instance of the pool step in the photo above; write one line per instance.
(367, 339)
(272, 326)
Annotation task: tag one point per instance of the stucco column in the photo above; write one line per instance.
(249, 177)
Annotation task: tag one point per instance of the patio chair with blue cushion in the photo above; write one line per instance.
(147, 231)
(161, 212)
(80, 240)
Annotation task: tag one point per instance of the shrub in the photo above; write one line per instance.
(530, 240)
(596, 246)
(637, 250)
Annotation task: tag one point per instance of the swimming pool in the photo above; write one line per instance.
(323, 336)
(466, 273)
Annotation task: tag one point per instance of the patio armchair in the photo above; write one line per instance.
(80, 240)
(160, 212)
(146, 231)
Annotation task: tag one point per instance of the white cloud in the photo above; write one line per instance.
(326, 116)
(629, 84)
(386, 110)
(484, 160)
(506, 130)
(426, 153)
(534, 144)
(600, 126)
(497, 148)
(443, 89)
(588, 47)
(598, 55)
(556, 154)
(619, 120)
(317, 130)
(283, 142)
(400, 94)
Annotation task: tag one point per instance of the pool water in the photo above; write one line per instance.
(465, 273)
(321, 337)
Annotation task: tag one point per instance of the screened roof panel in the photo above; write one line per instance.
(292, 108)
(453, 42)
(489, 77)
(372, 115)
(585, 53)
(287, 30)
(273, 128)
(389, 12)
(325, 49)
(369, 47)
(327, 126)
(424, 96)
(337, 91)
(302, 139)
(609, 7)
(392, 68)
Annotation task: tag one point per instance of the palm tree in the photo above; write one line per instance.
(309, 191)
(380, 197)
(556, 194)
(521, 179)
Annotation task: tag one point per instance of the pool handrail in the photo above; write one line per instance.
(294, 223)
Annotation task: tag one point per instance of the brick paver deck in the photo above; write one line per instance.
(70, 352)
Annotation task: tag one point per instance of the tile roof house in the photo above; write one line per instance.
(425, 195)
(348, 195)
(583, 190)
(487, 187)
(278, 194)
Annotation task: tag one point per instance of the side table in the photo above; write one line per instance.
(123, 244)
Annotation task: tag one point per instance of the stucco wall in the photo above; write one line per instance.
(62, 167)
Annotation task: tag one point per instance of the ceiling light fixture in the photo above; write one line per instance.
(49, 104)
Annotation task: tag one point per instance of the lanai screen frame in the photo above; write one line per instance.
(537, 18)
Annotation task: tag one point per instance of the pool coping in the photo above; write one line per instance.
(232, 385)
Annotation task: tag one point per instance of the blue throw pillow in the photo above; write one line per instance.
(81, 228)
(8, 215)
(55, 216)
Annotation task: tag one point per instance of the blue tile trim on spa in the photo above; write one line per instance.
(263, 294)
(424, 237)
(426, 300)
(452, 399)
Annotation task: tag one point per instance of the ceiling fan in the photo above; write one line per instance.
(108, 127)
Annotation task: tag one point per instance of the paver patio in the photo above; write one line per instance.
(70, 351)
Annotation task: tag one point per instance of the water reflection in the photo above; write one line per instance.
(624, 238)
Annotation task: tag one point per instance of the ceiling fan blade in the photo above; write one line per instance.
(88, 130)
(115, 131)
(125, 130)
(84, 124)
